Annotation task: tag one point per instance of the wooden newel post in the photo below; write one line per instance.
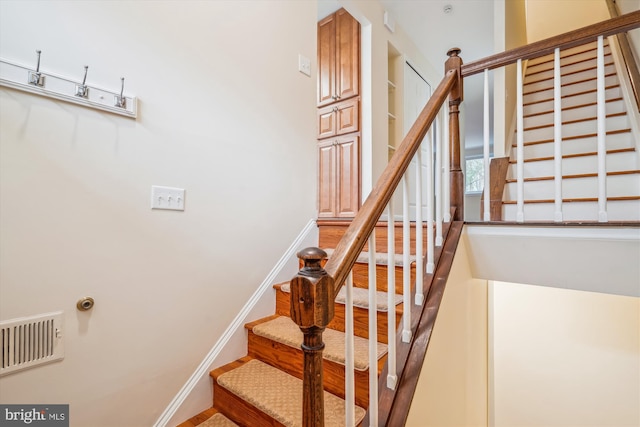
(455, 98)
(312, 308)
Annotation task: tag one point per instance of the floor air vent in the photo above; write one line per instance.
(31, 341)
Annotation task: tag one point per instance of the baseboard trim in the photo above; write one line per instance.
(236, 325)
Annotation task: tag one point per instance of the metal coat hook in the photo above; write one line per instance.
(35, 77)
(120, 100)
(82, 90)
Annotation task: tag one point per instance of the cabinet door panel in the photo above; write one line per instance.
(327, 122)
(326, 60)
(348, 176)
(347, 55)
(347, 116)
(326, 179)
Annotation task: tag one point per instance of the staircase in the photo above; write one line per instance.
(579, 142)
(264, 388)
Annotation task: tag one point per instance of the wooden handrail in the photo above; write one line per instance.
(314, 289)
(577, 37)
(354, 239)
(627, 55)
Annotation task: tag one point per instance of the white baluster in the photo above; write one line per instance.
(487, 181)
(349, 387)
(392, 377)
(557, 134)
(430, 237)
(438, 186)
(419, 234)
(446, 185)
(602, 149)
(406, 266)
(520, 146)
(373, 333)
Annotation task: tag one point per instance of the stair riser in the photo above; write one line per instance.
(537, 65)
(290, 360)
(571, 74)
(360, 317)
(576, 146)
(574, 114)
(569, 101)
(577, 165)
(330, 235)
(361, 277)
(617, 186)
(239, 410)
(627, 210)
(568, 90)
(576, 129)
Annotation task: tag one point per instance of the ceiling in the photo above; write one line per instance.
(468, 25)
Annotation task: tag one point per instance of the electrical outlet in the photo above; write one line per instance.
(167, 198)
(304, 65)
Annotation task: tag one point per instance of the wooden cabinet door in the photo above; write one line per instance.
(347, 55)
(347, 116)
(348, 176)
(327, 60)
(339, 118)
(326, 179)
(327, 121)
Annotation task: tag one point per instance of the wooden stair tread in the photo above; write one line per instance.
(381, 258)
(197, 420)
(526, 104)
(566, 64)
(575, 107)
(570, 73)
(563, 53)
(581, 175)
(285, 331)
(577, 82)
(574, 137)
(360, 297)
(570, 122)
(574, 200)
(569, 156)
(218, 420)
(275, 393)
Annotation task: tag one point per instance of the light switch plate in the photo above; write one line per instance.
(167, 198)
(304, 65)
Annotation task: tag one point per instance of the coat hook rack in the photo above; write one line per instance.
(82, 90)
(50, 85)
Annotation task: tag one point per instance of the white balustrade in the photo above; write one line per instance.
(557, 135)
(486, 129)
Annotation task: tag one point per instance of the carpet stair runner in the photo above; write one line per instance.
(264, 388)
(579, 143)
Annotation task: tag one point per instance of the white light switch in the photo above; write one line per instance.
(167, 198)
(304, 65)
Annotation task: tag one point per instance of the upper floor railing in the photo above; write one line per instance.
(314, 289)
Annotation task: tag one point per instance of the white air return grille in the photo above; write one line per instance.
(31, 341)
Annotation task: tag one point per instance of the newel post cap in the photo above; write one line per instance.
(454, 51)
(312, 303)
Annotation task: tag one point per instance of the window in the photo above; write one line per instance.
(474, 175)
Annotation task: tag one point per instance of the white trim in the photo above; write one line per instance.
(592, 233)
(237, 325)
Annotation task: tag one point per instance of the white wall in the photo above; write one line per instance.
(547, 18)
(224, 113)
(564, 358)
(452, 388)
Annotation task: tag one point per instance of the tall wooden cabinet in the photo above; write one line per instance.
(338, 115)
